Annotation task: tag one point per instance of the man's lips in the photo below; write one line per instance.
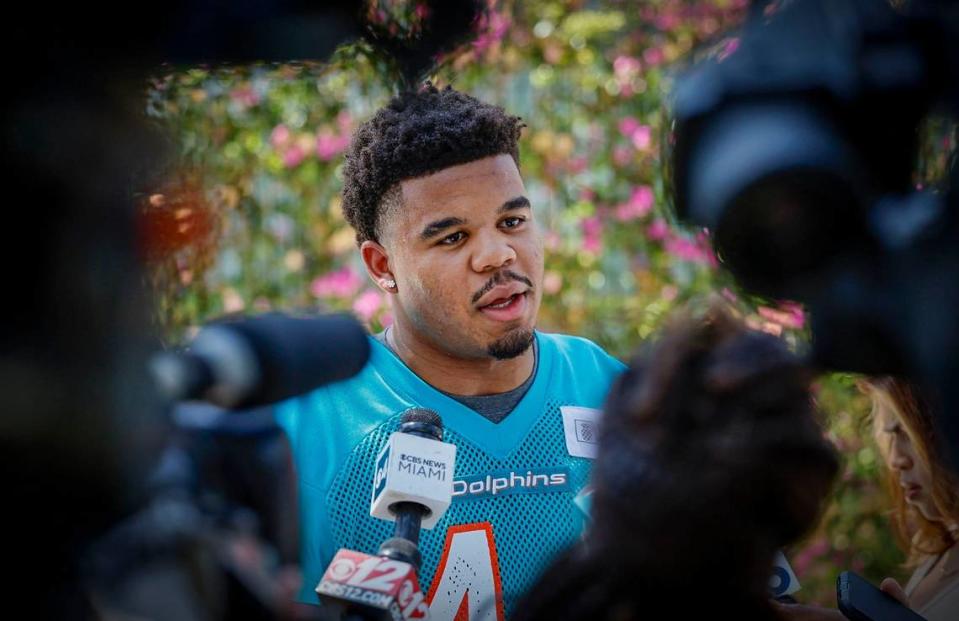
(501, 285)
(500, 294)
(506, 309)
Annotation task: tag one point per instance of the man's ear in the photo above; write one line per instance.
(377, 263)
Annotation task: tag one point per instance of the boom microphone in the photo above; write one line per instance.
(264, 359)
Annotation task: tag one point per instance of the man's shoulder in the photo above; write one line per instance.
(578, 351)
(364, 399)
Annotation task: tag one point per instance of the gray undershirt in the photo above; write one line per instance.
(496, 407)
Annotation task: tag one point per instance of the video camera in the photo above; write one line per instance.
(798, 151)
(218, 537)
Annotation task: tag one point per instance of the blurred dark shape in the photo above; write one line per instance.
(82, 425)
(442, 28)
(175, 216)
(710, 460)
(798, 151)
(253, 361)
(218, 536)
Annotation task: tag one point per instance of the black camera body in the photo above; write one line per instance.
(798, 151)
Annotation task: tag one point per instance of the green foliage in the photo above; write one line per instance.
(252, 216)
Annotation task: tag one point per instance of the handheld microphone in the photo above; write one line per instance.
(413, 485)
(372, 588)
(264, 359)
(413, 481)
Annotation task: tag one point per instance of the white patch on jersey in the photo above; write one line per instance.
(581, 427)
(467, 585)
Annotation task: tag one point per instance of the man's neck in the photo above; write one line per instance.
(460, 376)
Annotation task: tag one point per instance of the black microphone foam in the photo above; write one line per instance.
(298, 354)
(422, 415)
(422, 422)
(261, 360)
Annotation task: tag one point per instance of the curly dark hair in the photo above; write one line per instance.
(416, 134)
(710, 459)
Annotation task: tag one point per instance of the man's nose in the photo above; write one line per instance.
(493, 252)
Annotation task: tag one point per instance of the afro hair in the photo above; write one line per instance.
(417, 134)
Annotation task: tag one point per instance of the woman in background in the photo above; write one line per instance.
(925, 495)
(925, 504)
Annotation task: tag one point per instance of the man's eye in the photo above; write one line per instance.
(512, 223)
(453, 238)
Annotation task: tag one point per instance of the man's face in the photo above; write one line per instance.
(467, 257)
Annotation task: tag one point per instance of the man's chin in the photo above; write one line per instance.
(512, 344)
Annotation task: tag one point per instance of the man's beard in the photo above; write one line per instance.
(511, 345)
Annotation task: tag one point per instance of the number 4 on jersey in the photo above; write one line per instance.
(467, 586)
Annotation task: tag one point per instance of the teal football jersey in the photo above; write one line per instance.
(515, 482)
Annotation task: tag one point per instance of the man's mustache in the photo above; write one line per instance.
(498, 279)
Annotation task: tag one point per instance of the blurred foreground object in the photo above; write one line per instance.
(261, 360)
(82, 425)
(217, 538)
(709, 461)
(798, 150)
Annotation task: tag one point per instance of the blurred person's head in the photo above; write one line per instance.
(710, 460)
(924, 490)
(433, 190)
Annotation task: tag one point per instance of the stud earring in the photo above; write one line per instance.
(389, 284)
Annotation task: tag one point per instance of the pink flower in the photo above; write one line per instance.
(653, 56)
(366, 305)
(706, 244)
(683, 249)
(695, 250)
(626, 66)
(731, 46)
(640, 203)
(642, 199)
(667, 22)
(658, 230)
(628, 125)
(641, 137)
(330, 145)
(293, 156)
(592, 228)
(342, 283)
(592, 225)
(578, 164)
(794, 315)
(493, 27)
(245, 96)
(637, 133)
(279, 136)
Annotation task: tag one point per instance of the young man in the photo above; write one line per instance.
(444, 226)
